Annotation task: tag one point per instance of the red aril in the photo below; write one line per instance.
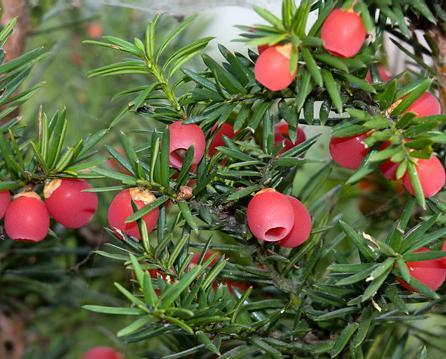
(348, 152)
(270, 215)
(343, 33)
(431, 175)
(426, 105)
(67, 202)
(27, 218)
(225, 130)
(302, 225)
(272, 68)
(121, 208)
(431, 273)
(181, 138)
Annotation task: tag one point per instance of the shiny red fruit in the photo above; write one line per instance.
(431, 273)
(121, 208)
(281, 136)
(343, 33)
(348, 152)
(102, 353)
(383, 73)
(426, 105)
(225, 130)
(302, 225)
(5, 200)
(272, 68)
(67, 202)
(431, 174)
(27, 218)
(270, 215)
(181, 138)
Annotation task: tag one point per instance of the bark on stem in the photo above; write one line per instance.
(15, 9)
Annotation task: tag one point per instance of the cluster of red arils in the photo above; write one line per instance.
(182, 137)
(27, 216)
(343, 33)
(349, 152)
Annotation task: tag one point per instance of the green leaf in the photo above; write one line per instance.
(242, 193)
(411, 97)
(332, 61)
(270, 17)
(364, 325)
(357, 276)
(225, 78)
(358, 241)
(136, 301)
(187, 215)
(423, 256)
(146, 209)
(374, 286)
(332, 89)
(150, 296)
(113, 310)
(135, 326)
(305, 87)
(184, 54)
(343, 339)
(312, 67)
(171, 294)
(416, 184)
(173, 35)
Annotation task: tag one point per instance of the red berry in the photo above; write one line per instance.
(426, 105)
(301, 228)
(5, 200)
(343, 33)
(270, 215)
(121, 208)
(225, 130)
(272, 68)
(262, 48)
(102, 353)
(431, 174)
(68, 204)
(281, 136)
(27, 218)
(431, 273)
(181, 138)
(348, 152)
(383, 73)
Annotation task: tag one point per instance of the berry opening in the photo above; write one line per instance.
(275, 234)
(177, 157)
